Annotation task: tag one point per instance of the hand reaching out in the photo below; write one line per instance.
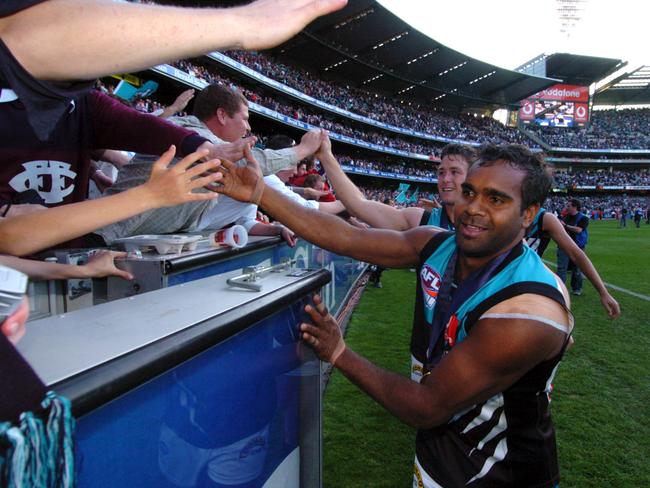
(102, 264)
(172, 186)
(271, 22)
(243, 183)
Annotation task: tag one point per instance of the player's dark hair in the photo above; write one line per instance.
(538, 180)
(576, 203)
(468, 153)
(216, 96)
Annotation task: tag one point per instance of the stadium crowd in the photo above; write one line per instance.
(168, 185)
(401, 168)
(314, 117)
(418, 118)
(608, 129)
(616, 177)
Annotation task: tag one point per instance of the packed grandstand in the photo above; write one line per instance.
(384, 106)
(607, 182)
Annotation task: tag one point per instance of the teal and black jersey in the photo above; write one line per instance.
(437, 217)
(536, 237)
(508, 440)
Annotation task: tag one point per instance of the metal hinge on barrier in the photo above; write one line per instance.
(252, 274)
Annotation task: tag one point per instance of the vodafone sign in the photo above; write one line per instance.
(565, 93)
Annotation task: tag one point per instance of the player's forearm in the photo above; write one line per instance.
(320, 228)
(333, 234)
(574, 229)
(30, 233)
(373, 213)
(130, 36)
(589, 270)
(405, 399)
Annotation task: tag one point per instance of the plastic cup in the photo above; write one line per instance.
(235, 236)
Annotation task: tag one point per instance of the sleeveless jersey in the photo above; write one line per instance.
(536, 237)
(437, 217)
(508, 440)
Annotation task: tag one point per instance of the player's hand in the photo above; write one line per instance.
(102, 264)
(311, 141)
(167, 186)
(325, 148)
(240, 182)
(610, 305)
(324, 335)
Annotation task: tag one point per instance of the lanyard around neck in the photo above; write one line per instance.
(447, 302)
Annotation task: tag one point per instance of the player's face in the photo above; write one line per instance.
(571, 210)
(236, 127)
(488, 214)
(451, 174)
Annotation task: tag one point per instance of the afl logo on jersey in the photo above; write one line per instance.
(430, 280)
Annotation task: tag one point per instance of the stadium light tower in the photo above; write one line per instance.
(569, 14)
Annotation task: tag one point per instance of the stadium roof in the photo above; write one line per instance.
(366, 46)
(576, 69)
(631, 88)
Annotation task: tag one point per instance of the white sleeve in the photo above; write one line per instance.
(275, 183)
(248, 219)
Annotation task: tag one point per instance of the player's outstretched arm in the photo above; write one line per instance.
(102, 37)
(373, 213)
(27, 234)
(492, 358)
(556, 230)
(384, 247)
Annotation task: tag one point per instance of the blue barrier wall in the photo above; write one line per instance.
(244, 413)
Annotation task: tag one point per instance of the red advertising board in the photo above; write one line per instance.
(566, 93)
(581, 113)
(557, 106)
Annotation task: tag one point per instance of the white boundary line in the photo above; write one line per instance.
(613, 287)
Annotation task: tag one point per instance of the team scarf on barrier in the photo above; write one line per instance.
(36, 425)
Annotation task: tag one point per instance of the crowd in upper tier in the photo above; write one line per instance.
(608, 129)
(314, 117)
(415, 117)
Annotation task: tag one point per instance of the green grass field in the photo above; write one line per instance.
(601, 403)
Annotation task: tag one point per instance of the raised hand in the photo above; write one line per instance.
(267, 23)
(325, 148)
(182, 100)
(232, 151)
(428, 204)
